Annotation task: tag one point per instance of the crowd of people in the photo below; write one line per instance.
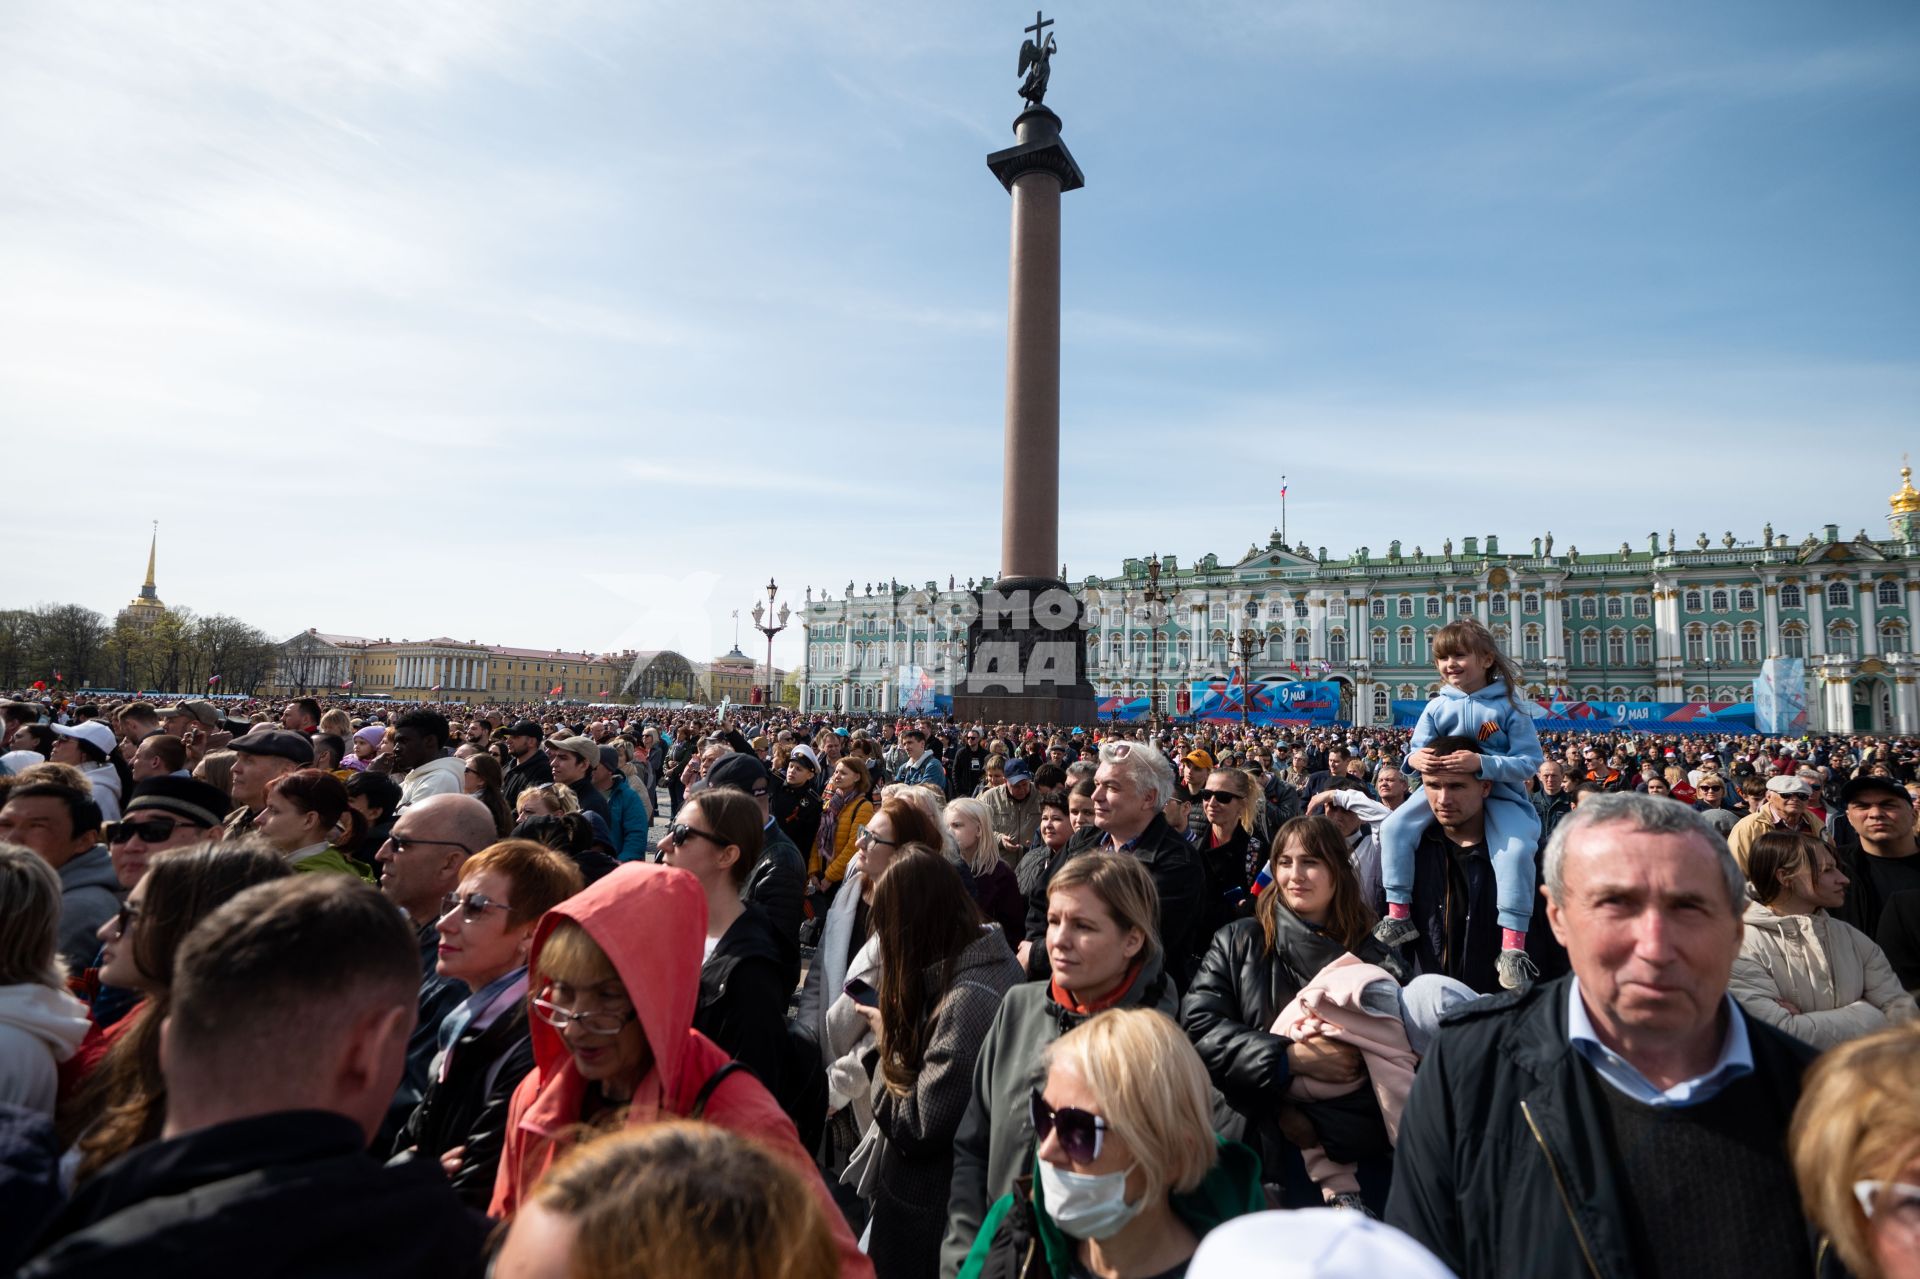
(363, 988)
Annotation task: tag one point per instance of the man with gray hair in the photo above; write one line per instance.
(1627, 1119)
(1130, 787)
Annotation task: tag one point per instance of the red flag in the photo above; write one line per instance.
(213, 679)
(434, 689)
(40, 685)
(56, 677)
(556, 690)
(346, 683)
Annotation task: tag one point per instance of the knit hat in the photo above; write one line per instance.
(197, 801)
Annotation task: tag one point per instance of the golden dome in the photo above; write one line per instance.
(1907, 500)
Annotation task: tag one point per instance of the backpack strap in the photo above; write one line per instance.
(701, 1098)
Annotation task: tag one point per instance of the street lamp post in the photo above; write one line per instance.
(1249, 639)
(1154, 598)
(763, 621)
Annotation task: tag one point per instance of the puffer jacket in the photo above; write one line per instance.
(1832, 972)
(651, 921)
(994, 1143)
(852, 818)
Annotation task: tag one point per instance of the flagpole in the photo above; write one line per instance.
(1283, 510)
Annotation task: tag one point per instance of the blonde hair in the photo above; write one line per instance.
(1123, 886)
(1242, 780)
(336, 721)
(550, 796)
(1858, 1120)
(571, 955)
(985, 854)
(921, 798)
(1153, 1092)
(688, 1199)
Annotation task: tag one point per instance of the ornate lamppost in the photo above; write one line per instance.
(1249, 643)
(763, 621)
(1155, 598)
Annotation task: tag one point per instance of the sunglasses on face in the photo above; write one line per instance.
(865, 835)
(401, 843)
(1079, 1131)
(124, 917)
(152, 830)
(476, 906)
(680, 833)
(1217, 796)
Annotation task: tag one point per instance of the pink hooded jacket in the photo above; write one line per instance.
(652, 921)
(1329, 1005)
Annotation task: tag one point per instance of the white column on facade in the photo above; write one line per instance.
(1816, 619)
(1770, 618)
(1913, 619)
(1483, 606)
(1316, 627)
(1868, 641)
(1551, 601)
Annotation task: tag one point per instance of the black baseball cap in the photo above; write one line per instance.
(742, 772)
(1871, 785)
(278, 742)
(525, 728)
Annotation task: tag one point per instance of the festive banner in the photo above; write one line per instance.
(1780, 696)
(1619, 717)
(1125, 709)
(917, 696)
(1267, 701)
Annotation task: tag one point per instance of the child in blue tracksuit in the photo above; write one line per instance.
(1476, 700)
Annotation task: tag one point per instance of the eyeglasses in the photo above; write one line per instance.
(477, 905)
(401, 843)
(151, 830)
(603, 1024)
(865, 835)
(124, 917)
(1218, 796)
(1894, 1201)
(680, 833)
(1079, 1130)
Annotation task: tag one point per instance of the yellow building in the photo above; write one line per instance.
(446, 670)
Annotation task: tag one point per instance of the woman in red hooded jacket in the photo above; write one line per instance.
(615, 976)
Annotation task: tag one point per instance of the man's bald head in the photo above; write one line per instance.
(459, 819)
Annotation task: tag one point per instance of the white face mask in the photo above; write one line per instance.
(1085, 1205)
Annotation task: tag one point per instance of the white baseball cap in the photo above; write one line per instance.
(93, 732)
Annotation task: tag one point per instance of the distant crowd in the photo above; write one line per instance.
(367, 988)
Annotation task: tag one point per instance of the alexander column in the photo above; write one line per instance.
(1026, 653)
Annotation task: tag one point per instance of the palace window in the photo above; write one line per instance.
(1589, 606)
(1530, 602)
(1749, 643)
(1530, 644)
(1406, 646)
(1590, 648)
(1499, 605)
(1302, 647)
(1379, 648)
(1382, 705)
(1840, 639)
(1717, 601)
(1642, 606)
(1790, 596)
(1299, 608)
(1463, 606)
(1616, 607)
(1616, 648)
(1337, 648)
(1743, 599)
(1433, 606)
(1405, 606)
(1893, 637)
(1377, 607)
(1691, 601)
(1793, 642)
(1887, 594)
(1839, 595)
(1277, 646)
(1643, 653)
(1722, 644)
(1696, 643)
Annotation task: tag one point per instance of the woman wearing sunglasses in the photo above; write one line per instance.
(744, 988)
(943, 972)
(1128, 1175)
(1104, 953)
(122, 1101)
(614, 973)
(304, 811)
(486, 929)
(1229, 849)
(1855, 1144)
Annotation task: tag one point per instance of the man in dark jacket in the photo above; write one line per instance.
(1552, 800)
(967, 766)
(1129, 791)
(777, 884)
(291, 1009)
(529, 767)
(1628, 1120)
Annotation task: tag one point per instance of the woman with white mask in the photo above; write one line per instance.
(1128, 1175)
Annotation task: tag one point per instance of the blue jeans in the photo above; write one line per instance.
(1513, 835)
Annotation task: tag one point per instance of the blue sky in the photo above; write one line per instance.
(561, 323)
